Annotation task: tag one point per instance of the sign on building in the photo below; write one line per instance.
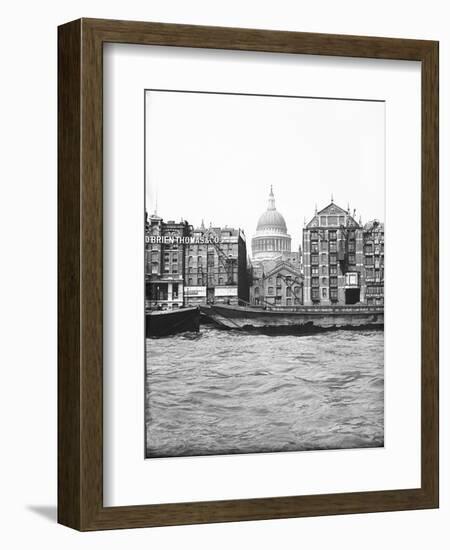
(226, 291)
(199, 291)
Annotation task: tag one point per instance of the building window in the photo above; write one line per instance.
(368, 260)
(314, 235)
(314, 271)
(333, 246)
(288, 302)
(270, 290)
(278, 299)
(352, 279)
(315, 295)
(333, 258)
(256, 289)
(375, 290)
(315, 247)
(288, 291)
(324, 280)
(351, 246)
(324, 292)
(332, 220)
(351, 258)
(323, 220)
(221, 282)
(323, 258)
(333, 281)
(315, 281)
(190, 281)
(333, 269)
(324, 270)
(368, 249)
(332, 235)
(200, 281)
(333, 294)
(314, 259)
(160, 292)
(199, 260)
(323, 246)
(154, 267)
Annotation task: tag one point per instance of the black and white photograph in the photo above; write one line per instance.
(264, 273)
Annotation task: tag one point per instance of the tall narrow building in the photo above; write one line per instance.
(333, 258)
(343, 260)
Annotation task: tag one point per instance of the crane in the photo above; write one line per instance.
(290, 283)
(228, 262)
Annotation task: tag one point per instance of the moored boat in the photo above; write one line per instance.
(301, 320)
(165, 323)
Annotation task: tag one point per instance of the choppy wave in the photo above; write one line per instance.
(220, 392)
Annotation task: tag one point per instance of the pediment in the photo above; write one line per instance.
(333, 210)
(283, 268)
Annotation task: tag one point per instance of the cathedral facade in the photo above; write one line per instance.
(271, 239)
(276, 270)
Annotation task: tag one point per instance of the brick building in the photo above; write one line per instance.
(332, 257)
(373, 238)
(339, 259)
(164, 262)
(216, 266)
(186, 266)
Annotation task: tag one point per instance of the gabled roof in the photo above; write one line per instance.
(332, 210)
(283, 265)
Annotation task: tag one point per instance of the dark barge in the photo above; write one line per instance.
(165, 323)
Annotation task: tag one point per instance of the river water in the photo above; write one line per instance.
(223, 392)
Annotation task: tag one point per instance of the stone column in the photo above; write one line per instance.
(169, 295)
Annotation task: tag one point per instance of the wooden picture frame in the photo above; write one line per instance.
(80, 271)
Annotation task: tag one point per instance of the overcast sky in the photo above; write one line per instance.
(214, 157)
